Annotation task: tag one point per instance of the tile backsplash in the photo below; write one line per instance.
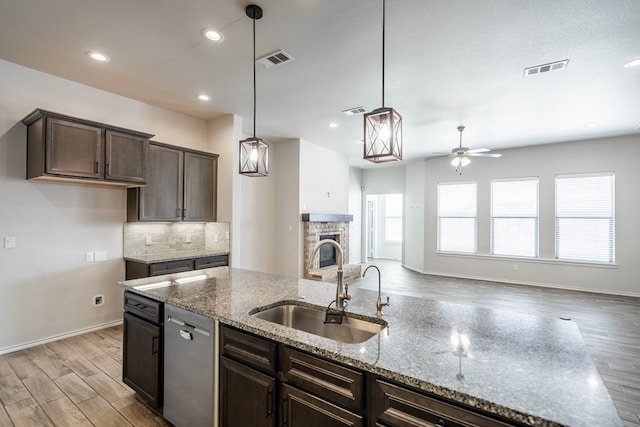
(154, 238)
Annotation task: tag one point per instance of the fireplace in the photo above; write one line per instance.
(328, 252)
(318, 227)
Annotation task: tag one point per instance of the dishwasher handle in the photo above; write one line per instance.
(183, 332)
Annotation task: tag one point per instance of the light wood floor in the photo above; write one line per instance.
(72, 382)
(76, 381)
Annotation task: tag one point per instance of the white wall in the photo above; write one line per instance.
(619, 155)
(414, 221)
(324, 180)
(288, 229)
(46, 288)
(356, 203)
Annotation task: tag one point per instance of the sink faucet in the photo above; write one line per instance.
(379, 303)
(342, 293)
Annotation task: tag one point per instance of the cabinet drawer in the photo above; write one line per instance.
(212, 261)
(337, 383)
(398, 407)
(301, 409)
(248, 349)
(143, 307)
(170, 267)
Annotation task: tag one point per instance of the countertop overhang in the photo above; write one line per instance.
(534, 370)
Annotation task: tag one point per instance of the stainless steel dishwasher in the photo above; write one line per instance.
(188, 368)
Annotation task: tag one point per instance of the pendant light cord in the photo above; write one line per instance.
(254, 77)
(383, 20)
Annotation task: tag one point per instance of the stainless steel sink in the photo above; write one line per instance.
(311, 319)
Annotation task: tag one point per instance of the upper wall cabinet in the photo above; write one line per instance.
(66, 148)
(181, 186)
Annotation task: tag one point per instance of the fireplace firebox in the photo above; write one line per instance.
(328, 252)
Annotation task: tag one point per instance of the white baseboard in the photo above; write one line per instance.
(58, 337)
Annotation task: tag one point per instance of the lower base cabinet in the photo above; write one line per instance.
(248, 396)
(316, 392)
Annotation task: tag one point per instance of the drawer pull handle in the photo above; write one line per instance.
(154, 345)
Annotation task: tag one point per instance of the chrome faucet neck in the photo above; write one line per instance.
(341, 291)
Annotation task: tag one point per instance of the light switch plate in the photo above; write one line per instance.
(9, 242)
(88, 257)
(100, 256)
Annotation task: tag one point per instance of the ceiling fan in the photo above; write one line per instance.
(460, 155)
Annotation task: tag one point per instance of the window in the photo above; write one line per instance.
(585, 217)
(514, 217)
(393, 218)
(457, 217)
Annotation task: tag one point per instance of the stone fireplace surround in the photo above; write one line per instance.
(316, 225)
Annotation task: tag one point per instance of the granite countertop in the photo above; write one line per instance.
(533, 370)
(173, 256)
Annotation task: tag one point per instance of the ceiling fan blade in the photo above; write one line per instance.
(478, 150)
(494, 155)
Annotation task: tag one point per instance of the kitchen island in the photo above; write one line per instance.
(530, 370)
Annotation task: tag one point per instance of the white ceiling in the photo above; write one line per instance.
(448, 62)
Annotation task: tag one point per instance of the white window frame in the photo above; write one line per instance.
(499, 218)
(601, 215)
(447, 219)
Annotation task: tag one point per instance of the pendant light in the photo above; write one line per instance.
(254, 152)
(383, 126)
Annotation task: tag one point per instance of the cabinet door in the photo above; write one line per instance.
(301, 409)
(125, 157)
(141, 361)
(161, 199)
(200, 175)
(73, 149)
(247, 396)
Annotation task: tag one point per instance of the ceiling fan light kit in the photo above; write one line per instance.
(254, 152)
(383, 126)
(461, 154)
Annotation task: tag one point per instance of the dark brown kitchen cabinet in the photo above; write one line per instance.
(396, 406)
(248, 394)
(181, 186)
(137, 269)
(70, 149)
(142, 347)
(301, 409)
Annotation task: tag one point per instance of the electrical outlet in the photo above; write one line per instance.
(215, 237)
(187, 238)
(227, 235)
(148, 241)
(98, 300)
(515, 267)
(88, 257)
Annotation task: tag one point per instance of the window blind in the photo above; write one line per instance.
(514, 217)
(457, 217)
(585, 217)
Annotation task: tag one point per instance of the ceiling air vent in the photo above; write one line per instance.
(353, 111)
(544, 68)
(275, 59)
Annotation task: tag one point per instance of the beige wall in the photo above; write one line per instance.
(46, 288)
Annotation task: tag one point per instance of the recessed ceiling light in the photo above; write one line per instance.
(213, 35)
(593, 125)
(333, 125)
(203, 97)
(97, 56)
(632, 63)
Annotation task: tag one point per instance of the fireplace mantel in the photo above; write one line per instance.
(311, 217)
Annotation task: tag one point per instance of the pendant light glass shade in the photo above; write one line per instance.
(383, 126)
(254, 152)
(383, 135)
(459, 161)
(254, 157)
